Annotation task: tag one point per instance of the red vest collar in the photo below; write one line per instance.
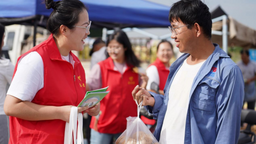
(54, 52)
(160, 63)
(110, 64)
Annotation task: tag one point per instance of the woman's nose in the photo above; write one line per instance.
(88, 32)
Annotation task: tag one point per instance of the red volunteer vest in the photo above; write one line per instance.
(162, 72)
(118, 104)
(63, 85)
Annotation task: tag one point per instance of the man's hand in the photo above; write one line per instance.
(144, 79)
(142, 95)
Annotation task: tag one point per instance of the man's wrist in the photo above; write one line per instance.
(152, 101)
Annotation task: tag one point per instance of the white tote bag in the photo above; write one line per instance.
(72, 131)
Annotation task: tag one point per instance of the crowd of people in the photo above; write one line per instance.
(195, 100)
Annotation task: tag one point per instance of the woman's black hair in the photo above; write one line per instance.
(2, 30)
(121, 37)
(191, 12)
(163, 41)
(97, 41)
(65, 12)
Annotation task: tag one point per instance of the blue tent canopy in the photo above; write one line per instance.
(103, 13)
(133, 12)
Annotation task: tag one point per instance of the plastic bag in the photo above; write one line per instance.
(136, 132)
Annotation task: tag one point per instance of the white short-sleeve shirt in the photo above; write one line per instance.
(29, 76)
(153, 76)
(6, 72)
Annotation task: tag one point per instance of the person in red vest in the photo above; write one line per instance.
(119, 73)
(158, 71)
(49, 79)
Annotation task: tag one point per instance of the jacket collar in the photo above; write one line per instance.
(217, 54)
(206, 67)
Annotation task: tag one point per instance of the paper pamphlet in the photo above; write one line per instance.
(91, 98)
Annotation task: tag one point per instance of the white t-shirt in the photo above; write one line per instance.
(153, 76)
(6, 72)
(173, 130)
(29, 77)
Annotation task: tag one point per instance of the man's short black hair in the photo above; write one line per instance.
(191, 12)
(243, 51)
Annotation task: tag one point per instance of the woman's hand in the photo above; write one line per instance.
(141, 95)
(64, 112)
(93, 111)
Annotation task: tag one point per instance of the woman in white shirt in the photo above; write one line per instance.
(158, 71)
(6, 72)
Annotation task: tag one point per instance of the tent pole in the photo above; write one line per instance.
(35, 29)
(104, 34)
(225, 34)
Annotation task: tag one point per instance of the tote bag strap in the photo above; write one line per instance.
(71, 128)
(80, 136)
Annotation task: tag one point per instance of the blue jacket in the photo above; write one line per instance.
(216, 100)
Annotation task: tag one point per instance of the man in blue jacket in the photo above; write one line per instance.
(203, 95)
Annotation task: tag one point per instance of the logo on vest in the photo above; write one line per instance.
(131, 81)
(79, 78)
(80, 84)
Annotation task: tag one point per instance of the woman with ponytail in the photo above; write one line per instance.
(49, 79)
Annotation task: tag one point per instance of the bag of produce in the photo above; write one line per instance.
(136, 132)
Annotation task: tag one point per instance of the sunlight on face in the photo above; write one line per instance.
(80, 33)
(164, 52)
(116, 51)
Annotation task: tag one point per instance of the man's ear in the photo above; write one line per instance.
(198, 29)
(64, 30)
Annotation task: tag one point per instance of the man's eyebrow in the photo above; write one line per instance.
(86, 23)
(174, 25)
